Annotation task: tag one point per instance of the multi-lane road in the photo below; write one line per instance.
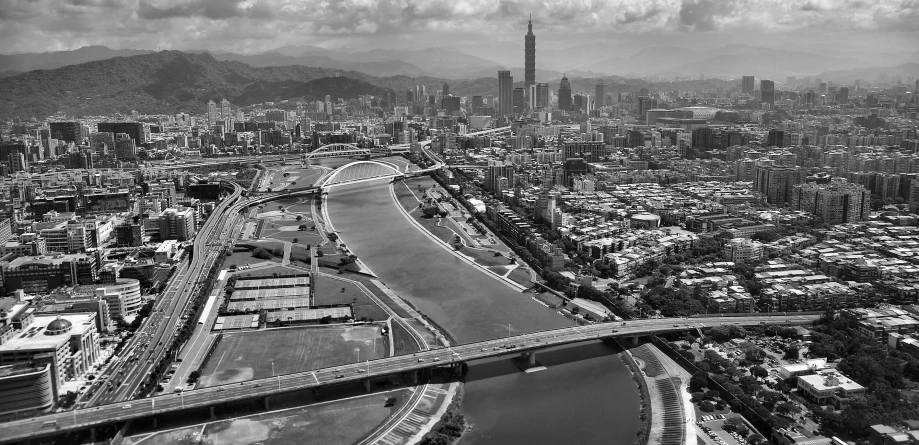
(123, 379)
(207, 397)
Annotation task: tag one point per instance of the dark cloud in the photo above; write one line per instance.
(211, 9)
(638, 16)
(699, 15)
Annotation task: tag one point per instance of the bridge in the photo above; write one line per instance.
(489, 131)
(360, 171)
(527, 345)
(338, 150)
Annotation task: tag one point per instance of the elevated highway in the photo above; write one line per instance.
(154, 337)
(527, 344)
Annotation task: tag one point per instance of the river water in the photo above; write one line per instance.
(585, 396)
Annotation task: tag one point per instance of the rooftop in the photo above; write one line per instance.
(33, 336)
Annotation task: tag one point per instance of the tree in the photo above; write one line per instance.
(261, 253)
(759, 372)
(296, 240)
(786, 408)
(333, 237)
(699, 381)
(299, 217)
(707, 406)
(792, 353)
(301, 227)
(277, 251)
(737, 425)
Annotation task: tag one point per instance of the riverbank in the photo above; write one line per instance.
(644, 409)
(446, 246)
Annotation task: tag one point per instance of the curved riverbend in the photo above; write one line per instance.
(585, 396)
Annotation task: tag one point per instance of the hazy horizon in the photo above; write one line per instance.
(489, 29)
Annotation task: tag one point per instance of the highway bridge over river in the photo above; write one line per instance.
(527, 345)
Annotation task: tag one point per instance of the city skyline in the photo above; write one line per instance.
(874, 31)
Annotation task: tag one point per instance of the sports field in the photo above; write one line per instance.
(331, 290)
(248, 355)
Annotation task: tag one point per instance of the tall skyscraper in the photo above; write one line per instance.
(767, 87)
(519, 99)
(505, 93)
(225, 109)
(601, 95)
(211, 113)
(564, 94)
(446, 91)
(542, 95)
(747, 85)
(529, 65)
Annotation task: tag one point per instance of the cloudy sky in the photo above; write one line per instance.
(482, 27)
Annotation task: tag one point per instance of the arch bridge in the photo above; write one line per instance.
(360, 171)
(338, 150)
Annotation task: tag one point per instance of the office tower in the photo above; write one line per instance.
(66, 131)
(746, 85)
(564, 94)
(519, 100)
(450, 104)
(529, 68)
(842, 96)
(542, 95)
(838, 202)
(497, 170)
(822, 86)
(601, 95)
(775, 138)
(915, 91)
(505, 93)
(531, 97)
(767, 88)
(211, 113)
(225, 109)
(125, 147)
(477, 104)
(133, 129)
(446, 91)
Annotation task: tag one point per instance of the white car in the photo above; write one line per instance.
(126, 407)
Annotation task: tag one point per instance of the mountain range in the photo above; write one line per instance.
(175, 81)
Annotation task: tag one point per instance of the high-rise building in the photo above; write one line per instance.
(842, 96)
(767, 87)
(519, 100)
(776, 183)
(747, 85)
(225, 109)
(529, 65)
(564, 94)
(838, 202)
(505, 93)
(822, 87)
(542, 95)
(600, 99)
(135, 130)
(66, 131)
(446, 90)
(211, 113)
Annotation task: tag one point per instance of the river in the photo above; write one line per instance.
(585, 396)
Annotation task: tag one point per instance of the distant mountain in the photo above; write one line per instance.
(174, 81)
(730, 61)
(870, 74)
(374, 68)
(57, 59)
(166, 82)
(436, 62)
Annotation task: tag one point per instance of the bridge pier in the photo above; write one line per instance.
(92, 431)
(265, 403)
(213, 413)
(634, 340)
(366, 383)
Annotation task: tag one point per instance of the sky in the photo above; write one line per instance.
(488, 28)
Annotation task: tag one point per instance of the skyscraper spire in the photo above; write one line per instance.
(529, 61)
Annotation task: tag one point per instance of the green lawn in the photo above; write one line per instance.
(249, 355)
(331, 291)
(343, 422)
(521, 275)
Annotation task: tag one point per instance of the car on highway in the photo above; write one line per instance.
(436, 359)
(421, 360)
(126, 407)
